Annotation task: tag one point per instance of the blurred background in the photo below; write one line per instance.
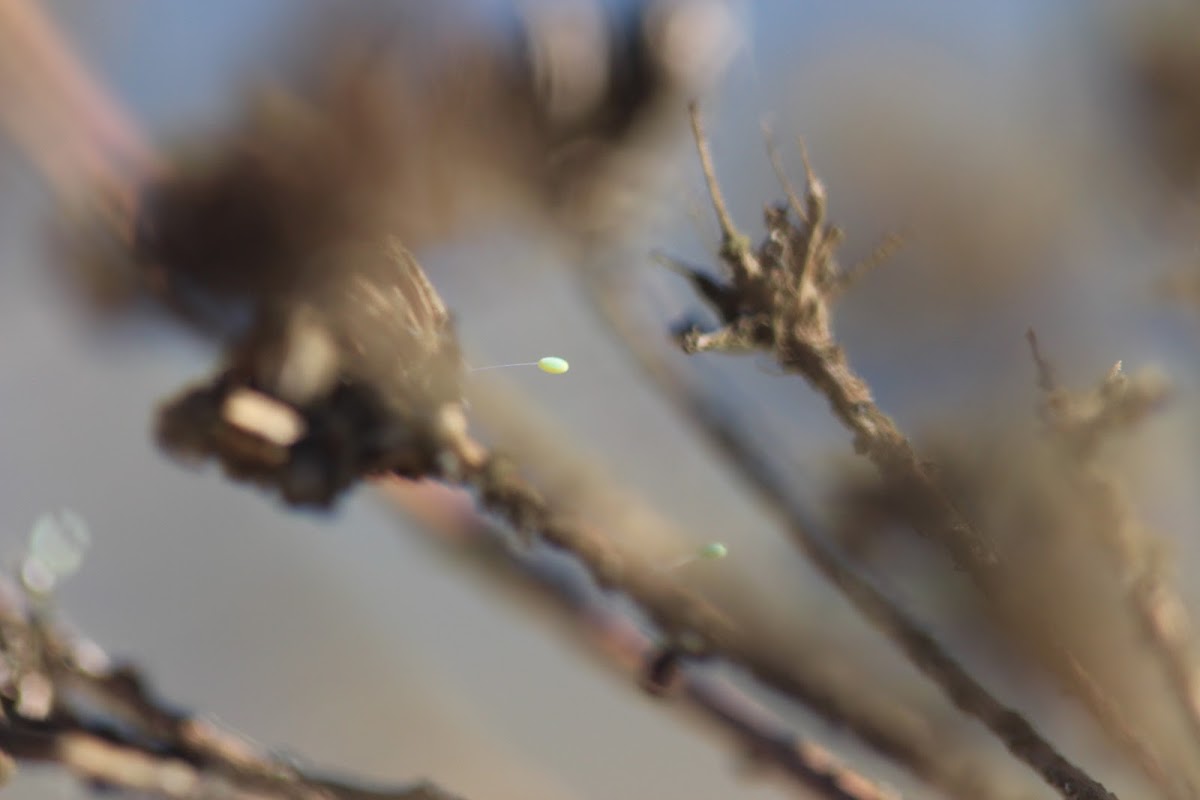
(1035, 149)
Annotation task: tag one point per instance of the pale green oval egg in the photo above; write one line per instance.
(553, 364)
(714, 551)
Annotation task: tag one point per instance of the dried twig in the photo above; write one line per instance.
(442, 449)
(65, 702)
(1078, 424)
(733, 244)
(719, 426)
(776, 160)
(60, 117)
(784, 305)
(766, 740)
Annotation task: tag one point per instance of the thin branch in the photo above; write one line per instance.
(1078, 424)
(728, 227)
(77, 135)
(780, 172)
(733, 243)
(1045, 372)
(796, 327)
(718, 426)
(882, 253)
(64, 702)
(689, 624)
(441, 448)
(619, 642)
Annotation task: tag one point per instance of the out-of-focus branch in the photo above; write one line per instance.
(65, 702)
(76, 134)
(1078, 424)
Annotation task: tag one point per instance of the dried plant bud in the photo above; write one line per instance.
(341, 351)
(361, 315)
(286, 235)
(342, 374)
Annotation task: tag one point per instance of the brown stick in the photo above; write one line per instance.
(63, 120)
(450, 516)
(719, 427)
(121, 735)
(794, 323)
(1078, 424)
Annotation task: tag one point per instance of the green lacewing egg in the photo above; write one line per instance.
(553, 364)
(714, 551)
